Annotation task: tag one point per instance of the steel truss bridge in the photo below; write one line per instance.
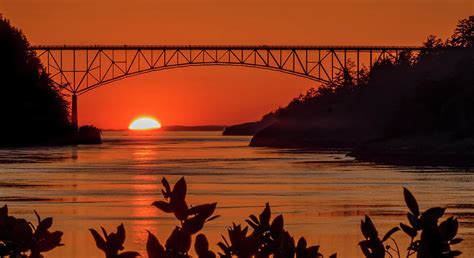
(81, 68)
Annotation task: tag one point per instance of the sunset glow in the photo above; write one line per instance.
(290, 22)
(144, 123)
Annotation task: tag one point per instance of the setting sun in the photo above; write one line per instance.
(144, 123)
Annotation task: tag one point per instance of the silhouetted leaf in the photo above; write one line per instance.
(364, 246)
(413, 221)
(390, 233)
(38, 217)
(22, 231)
(368, 228)
(456, 253)
(164, 206)
(194, 224)
(431, 215)
(313, 251)
(46, 223)
(50, 241)
(120, 236)
(154, 248)
(408, 230)
(104, 232)
(222, 246)
(204, 210)
(411, 202)
(213, 218)
(99, 241)
(179, 190)
(167, 187)
(277, 226)
(333, 256)
(179, 241)
(254, 219)
(251, 223)
(301, 251)
(301, 247)
(201, 245)
(180, 209)
(286, 245)
(456, 241)
(449, 228)
(265, 215)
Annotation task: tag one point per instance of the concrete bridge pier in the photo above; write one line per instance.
(74, 121)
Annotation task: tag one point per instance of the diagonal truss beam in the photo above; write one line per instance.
(81, 68)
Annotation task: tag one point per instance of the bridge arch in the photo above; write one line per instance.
(179, 66)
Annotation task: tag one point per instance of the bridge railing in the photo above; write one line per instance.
(225, 47)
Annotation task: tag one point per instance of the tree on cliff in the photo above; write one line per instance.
(32, 108)
(464, 33)
(432, 92)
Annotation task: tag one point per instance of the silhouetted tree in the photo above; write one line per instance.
(32, 108)
(409, 94)
(464, 33)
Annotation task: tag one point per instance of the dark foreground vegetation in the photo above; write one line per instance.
(32, 107)
(428, 236)
(416, 106)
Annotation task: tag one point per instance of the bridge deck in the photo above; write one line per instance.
(223, 47)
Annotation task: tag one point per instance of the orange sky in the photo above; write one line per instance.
(220, 95)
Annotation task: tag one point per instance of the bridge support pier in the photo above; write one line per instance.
(74, 121)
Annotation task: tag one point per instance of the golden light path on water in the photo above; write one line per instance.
(322, 195)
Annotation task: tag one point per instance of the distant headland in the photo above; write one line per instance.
(408, 109)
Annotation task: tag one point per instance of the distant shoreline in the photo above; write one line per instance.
(182, 128)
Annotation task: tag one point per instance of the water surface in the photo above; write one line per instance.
(323, 195)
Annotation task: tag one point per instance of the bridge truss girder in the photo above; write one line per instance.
(79, 69)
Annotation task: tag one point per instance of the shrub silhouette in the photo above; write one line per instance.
(192, 220)
(19, 236)
(434, 241)
(112, 243)
(270, 239)
(428, 237)
(266, 239)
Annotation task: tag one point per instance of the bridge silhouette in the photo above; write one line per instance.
(82, 68)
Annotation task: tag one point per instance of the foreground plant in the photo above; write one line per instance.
(428, 238)
(267, 239)
(191, 219)
(112, 243)
(19, 236)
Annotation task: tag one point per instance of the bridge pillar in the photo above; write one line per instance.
(74, 121)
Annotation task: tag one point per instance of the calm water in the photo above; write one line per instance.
(322, 195)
